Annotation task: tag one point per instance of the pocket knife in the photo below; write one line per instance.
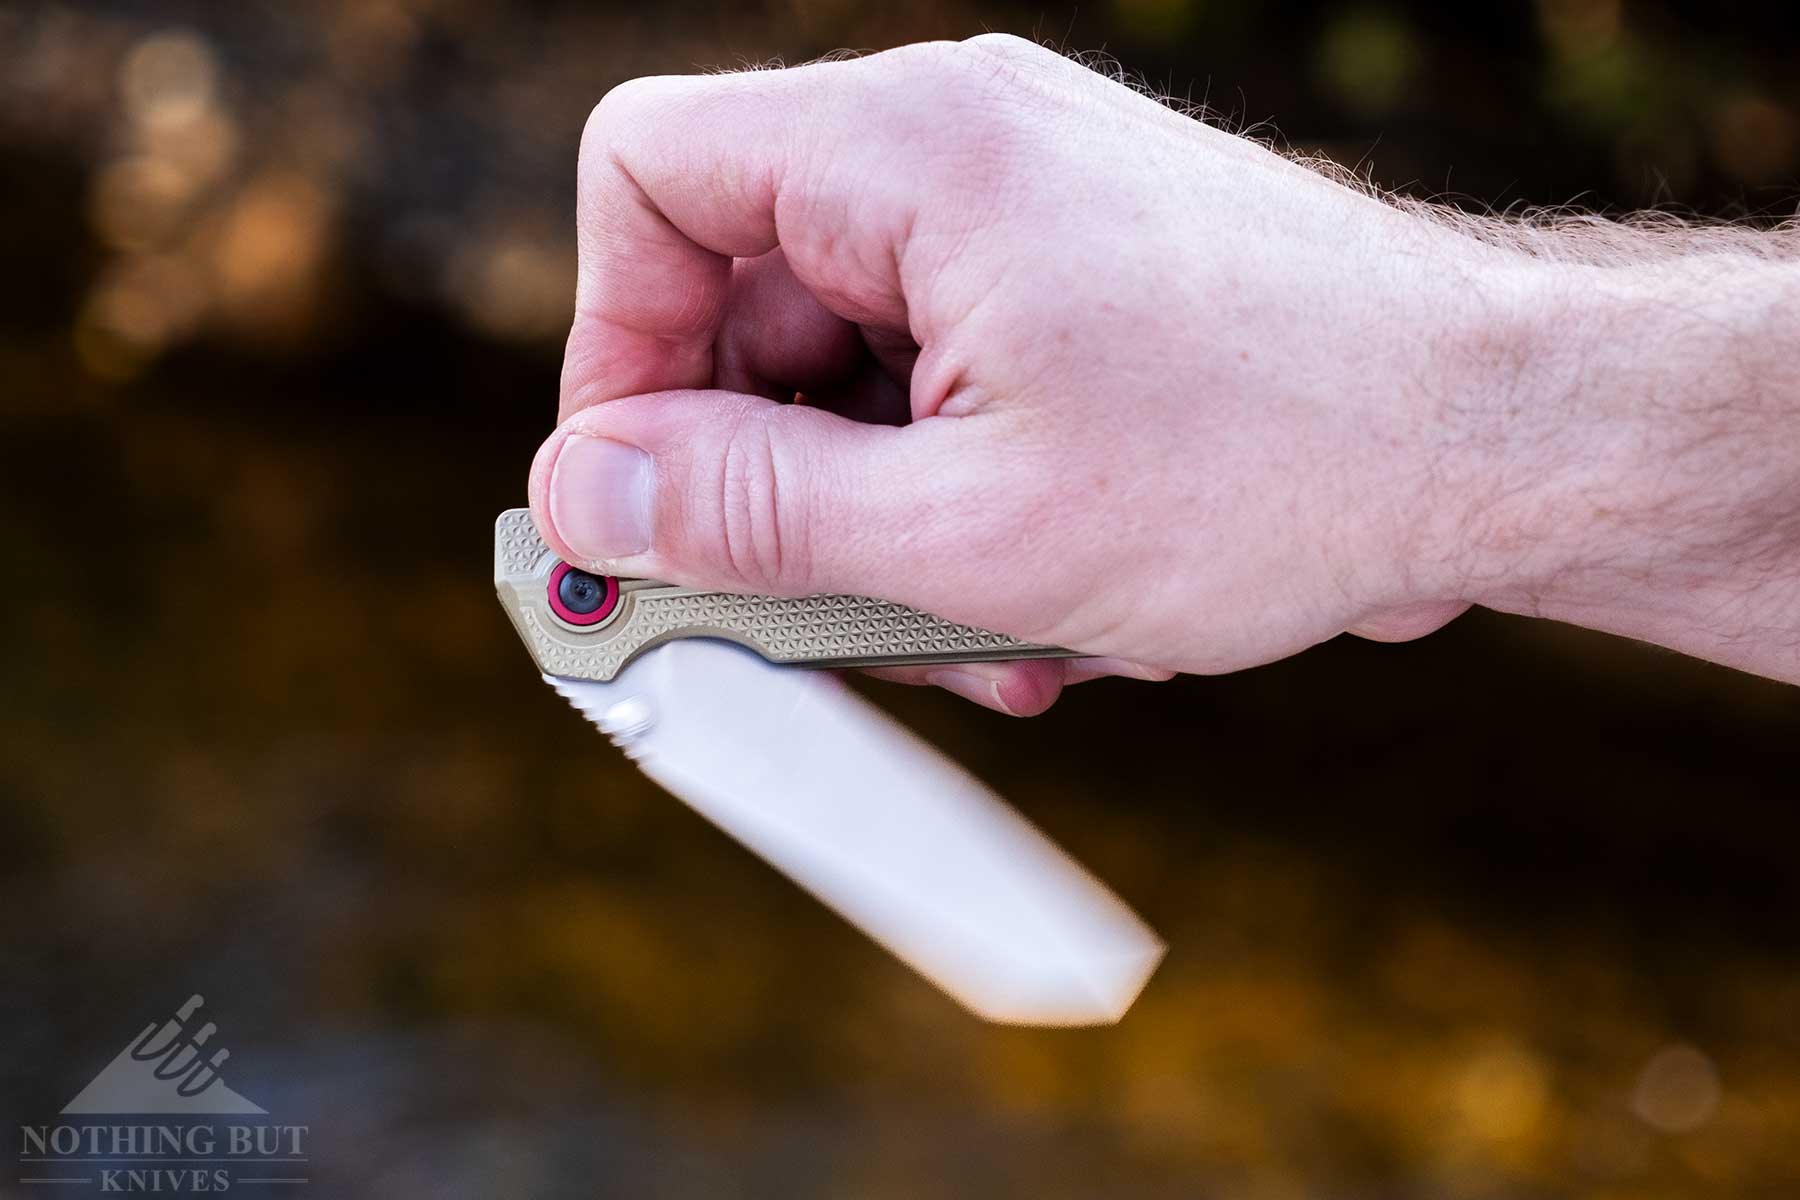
(701, 690)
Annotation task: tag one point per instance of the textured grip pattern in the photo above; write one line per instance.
(818, 630)
(517, 547)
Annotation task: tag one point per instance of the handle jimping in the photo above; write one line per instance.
(582, 626)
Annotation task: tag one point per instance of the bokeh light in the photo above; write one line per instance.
(1505, 913)
(1677, 1091)
(167, 80)
(1368, 59)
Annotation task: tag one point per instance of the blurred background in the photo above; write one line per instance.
(1510, 912)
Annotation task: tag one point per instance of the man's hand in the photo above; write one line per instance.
(1075, 367)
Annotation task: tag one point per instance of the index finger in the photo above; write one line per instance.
(680, 174)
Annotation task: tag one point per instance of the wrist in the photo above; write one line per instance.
(1639, 471)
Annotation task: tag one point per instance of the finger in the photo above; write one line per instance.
(1409, 622)
(1082, 670)
(719, 490)
(776, 339)
(1022, 688)
(680, 174)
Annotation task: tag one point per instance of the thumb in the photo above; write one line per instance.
(720, 490)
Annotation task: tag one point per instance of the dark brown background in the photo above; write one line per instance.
(1510, 912)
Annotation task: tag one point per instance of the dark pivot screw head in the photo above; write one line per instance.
(580, 598)
(580, 592)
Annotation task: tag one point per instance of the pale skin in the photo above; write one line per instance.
(1079, 368)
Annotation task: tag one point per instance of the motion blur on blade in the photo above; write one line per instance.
(852, 806)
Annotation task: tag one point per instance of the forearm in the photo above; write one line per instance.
(1642, 475)
(1173, 399)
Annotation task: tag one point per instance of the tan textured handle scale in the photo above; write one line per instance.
(816, 631)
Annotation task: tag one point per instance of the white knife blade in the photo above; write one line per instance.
(858, 811)
(881, 827)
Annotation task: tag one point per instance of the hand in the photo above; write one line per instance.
(1067, 365)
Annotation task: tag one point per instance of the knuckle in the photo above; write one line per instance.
(602, 134)
(616, 109)
(1013, 62)
(972, 74)
(991, 100)
(921, 60)
(622, 117)
(940, 106)
(1006, 45)
(1005, 92)
(762, 539)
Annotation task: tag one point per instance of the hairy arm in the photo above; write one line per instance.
(1076, 367)
(1641, 474)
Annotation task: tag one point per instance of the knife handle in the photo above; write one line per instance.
(582, 626)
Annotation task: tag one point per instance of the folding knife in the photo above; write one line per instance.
(849, 804)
